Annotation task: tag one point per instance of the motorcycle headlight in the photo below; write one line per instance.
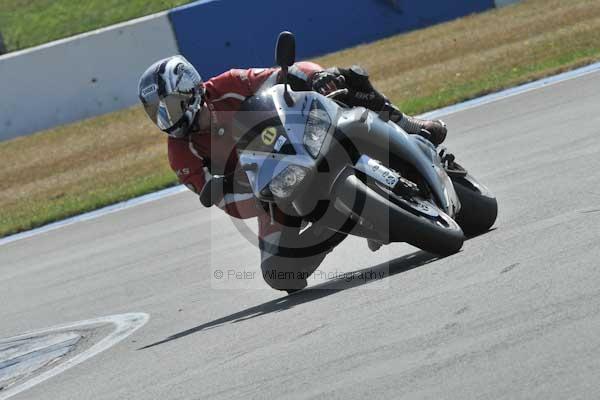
(284, 184)
(317, 126)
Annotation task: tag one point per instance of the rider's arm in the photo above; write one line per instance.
(355, 79)
(235, 197)
(191, 169)
(300, 75)
(306, 75)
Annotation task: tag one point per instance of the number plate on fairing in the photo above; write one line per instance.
(377, 171)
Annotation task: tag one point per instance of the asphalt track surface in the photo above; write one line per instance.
(516, 314)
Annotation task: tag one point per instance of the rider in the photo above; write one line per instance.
(197, 117)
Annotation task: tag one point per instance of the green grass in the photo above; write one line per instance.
(497, 81)
(26, 23)
(63, 206)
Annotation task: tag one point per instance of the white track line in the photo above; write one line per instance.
(518, 90)
(125, 325)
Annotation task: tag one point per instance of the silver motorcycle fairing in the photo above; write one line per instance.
(268, 166)
(262, 167)
(413, 149)
(359, 124)
(449, 193)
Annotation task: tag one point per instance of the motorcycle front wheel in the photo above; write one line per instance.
(430, 228)
(417, 222)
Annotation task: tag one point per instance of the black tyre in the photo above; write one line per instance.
(417, 222)
(438, 234)
(479, 207)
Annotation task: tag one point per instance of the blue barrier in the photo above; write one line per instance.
(217, 35)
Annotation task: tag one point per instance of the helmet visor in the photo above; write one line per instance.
(170, 110)
(187, 80)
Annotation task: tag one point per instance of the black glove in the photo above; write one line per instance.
(326, 82)
(219, 185)
(356, 78)
(214, 190)
(361, 92)
(372, 100)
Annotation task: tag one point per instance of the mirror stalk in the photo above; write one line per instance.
(289, 100)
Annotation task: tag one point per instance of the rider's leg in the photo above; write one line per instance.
(362, 93)
(436, 131)
(285, 273)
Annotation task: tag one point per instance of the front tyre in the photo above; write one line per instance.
(427, 226)
(417, 222)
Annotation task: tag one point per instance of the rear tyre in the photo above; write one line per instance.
(479, 208)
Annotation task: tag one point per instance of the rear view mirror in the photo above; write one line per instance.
(285, 55)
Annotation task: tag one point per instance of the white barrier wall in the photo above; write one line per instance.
(79, 77)
(97, 72)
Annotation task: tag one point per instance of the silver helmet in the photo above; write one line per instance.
(172, 93)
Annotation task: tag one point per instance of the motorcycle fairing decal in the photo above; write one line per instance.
(279, 143)
(268, 135)
(377, 171)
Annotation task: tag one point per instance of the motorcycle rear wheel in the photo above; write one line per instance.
(479, 208)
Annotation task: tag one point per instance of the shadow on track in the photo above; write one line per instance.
(385, 270)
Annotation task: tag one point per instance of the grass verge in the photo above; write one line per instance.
(29, 23)
(93, 163)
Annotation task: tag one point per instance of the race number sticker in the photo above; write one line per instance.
(279, 143)
(268, 135)
(377, 171)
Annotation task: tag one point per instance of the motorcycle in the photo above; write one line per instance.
(314, 159)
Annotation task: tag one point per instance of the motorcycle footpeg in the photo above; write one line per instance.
(452, 168)
(406, 188)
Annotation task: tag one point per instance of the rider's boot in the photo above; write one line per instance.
(434, 131)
